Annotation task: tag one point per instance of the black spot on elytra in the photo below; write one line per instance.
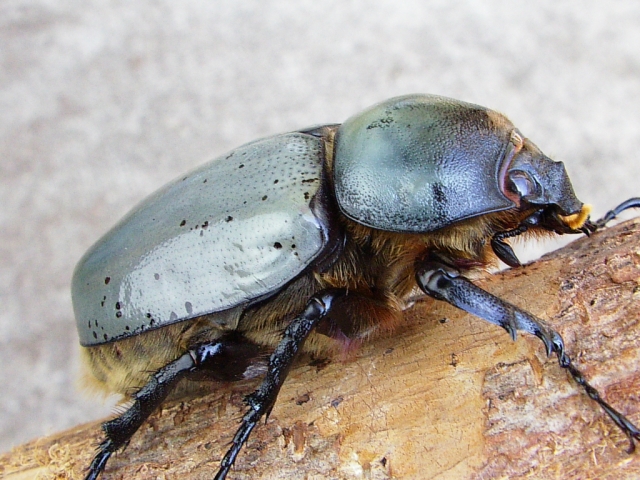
(183, 223)
(277, 245)
(107, 280)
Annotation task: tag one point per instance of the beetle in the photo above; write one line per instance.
(311, 240)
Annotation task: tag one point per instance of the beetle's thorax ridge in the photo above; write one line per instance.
(420, 163)
(514, 147)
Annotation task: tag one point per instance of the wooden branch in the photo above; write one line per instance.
(448, 396)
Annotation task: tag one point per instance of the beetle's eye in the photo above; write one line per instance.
(521, 183)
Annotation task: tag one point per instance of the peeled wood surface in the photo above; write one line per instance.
(448, 396)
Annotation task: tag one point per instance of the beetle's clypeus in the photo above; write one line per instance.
(312, 239)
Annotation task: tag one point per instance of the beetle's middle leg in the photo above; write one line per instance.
(445, 283)
(262, 400)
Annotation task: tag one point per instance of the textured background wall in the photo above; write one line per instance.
(103, 101)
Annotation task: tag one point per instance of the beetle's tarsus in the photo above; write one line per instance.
(633, 202)
(249, 421)
(262, 400)
(105, 450)
(628, 428)
(435, 281)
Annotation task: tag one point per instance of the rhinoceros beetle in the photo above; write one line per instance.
(310, 240)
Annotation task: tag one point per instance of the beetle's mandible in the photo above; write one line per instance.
(309, 240)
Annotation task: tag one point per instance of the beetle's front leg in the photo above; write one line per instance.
(633, 202)
(445, 283)
(261, 401)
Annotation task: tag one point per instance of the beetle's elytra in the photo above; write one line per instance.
(311, 239)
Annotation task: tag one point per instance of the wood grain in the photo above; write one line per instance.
(448, 396)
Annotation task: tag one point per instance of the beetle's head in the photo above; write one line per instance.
(540, 187)
(534, 181)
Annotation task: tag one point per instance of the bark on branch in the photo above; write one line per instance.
(448, 396)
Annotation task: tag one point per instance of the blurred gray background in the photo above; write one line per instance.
(103, 101)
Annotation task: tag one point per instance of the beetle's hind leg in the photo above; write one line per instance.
(229, 358)
(445, 283)
(119, 431)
